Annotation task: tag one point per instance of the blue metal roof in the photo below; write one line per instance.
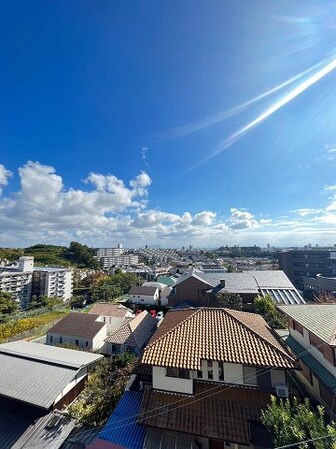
(122, 428)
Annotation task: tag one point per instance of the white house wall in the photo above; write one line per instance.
(163, 382)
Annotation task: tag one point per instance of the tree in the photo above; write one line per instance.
(80, 254)
(265, 306)
(8, 305)
(230, 268)
(113, 286)
(230, 300)
(324, 298)
(290, 423)
(103, 390)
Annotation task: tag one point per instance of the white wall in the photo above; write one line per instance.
(233, 373)
(96, 343)
(145, 299)
(163, 382)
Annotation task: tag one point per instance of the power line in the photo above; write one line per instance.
(306, 441)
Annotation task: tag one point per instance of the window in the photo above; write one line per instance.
(51, 339)
(176, 372)
(210, 374)
(86, 344)
(250, 375)
(114, 348)
(77, 343)
(61, 340)
(171, 372)
(209, 363)
(130, 349)
(199, 374)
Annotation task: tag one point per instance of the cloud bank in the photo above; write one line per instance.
(108, 209)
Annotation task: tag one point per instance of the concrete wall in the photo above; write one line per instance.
(145, 299)
(86, 343)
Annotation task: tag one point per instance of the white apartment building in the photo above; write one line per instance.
(124, 259)
(109, 252)
(18, 281)
(24, 280)
(52, 282)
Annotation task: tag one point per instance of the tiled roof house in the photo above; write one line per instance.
(213, 370)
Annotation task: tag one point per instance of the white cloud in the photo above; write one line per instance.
(241, 219)
(333, 187)
(108, 209)
(4, 176)
(306, 211)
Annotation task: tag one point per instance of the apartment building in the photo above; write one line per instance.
(298, 264)
(18, 280)
(24, 280)
(121, 260)
(49, 281)
(212, 371)
(312, 340)
(109, 252)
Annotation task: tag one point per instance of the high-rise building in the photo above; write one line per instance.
(307, 262)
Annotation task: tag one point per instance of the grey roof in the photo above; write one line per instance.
(37, 374)
(49, 354)
(85, 325)
(142, 290)
(320, 319)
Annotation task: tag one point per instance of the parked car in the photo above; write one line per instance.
(159, 315)
(153, 313)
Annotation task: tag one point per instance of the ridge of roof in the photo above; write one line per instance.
(181, 323)
(251, 329)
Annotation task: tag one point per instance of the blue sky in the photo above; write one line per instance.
(132, 121)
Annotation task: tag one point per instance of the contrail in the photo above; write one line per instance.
(269, 111)
(217, 118)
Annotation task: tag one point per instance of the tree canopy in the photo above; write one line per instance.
(230, 300)
(109, 287)
(103, 390)
(291, 422)
(265, 306)
(8, 305)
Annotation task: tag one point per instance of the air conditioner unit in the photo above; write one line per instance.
(281, 391)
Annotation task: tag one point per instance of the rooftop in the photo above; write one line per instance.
(108, 309)
(142, 290)
(320, 319)
(79, 325)
(223, 415)
(186, 337)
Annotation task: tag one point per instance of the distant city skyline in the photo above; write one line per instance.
(168, 123)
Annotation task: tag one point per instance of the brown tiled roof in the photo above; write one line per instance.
(135, 332)
(108, 309)
(188, 337)
(78, 325)
(218, 412)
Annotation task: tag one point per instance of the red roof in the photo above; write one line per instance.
(102, 444)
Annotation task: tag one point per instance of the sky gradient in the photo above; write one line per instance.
(173, 123)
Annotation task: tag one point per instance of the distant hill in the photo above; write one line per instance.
(76, 255)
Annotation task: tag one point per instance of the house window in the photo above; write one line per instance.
(61, 340)
(51, 339)
(77, 343)
(130, 349)
(171, 372)
(250, 375)
(199, 374)
(209, 363)
(114, 348)
(86, 344)
(210, 374)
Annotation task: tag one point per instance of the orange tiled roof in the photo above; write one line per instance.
(185, 338)
(222, 413)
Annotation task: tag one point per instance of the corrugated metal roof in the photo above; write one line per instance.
(102, 444)
(320, 319)
(49, 354)
(31, 381)
(284, 296)
(122, 428)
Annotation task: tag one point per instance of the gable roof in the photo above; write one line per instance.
(143, 290)
(36, 373)
(78, 325)
(108, 309)
(135, 332)
(187, 337)
(320, 319)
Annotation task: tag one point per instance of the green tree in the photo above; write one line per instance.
(230, 268)
(290, 423)
(265, 306)
(230, 300)
(8, 305)
(103, 390)
(110, 287)
(81, 255)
